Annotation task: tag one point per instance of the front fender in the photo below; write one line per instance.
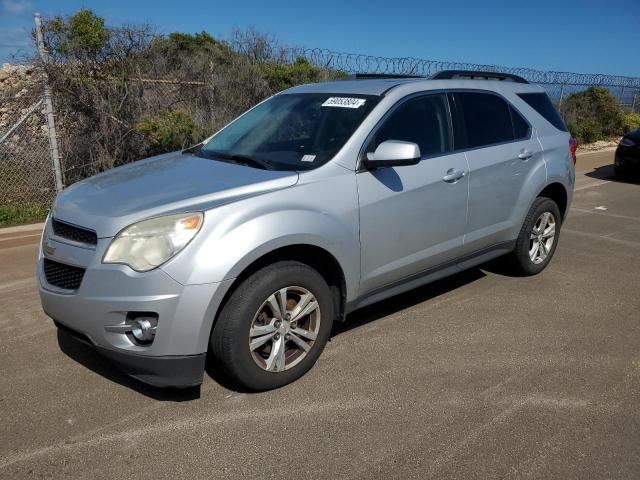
(235, 242)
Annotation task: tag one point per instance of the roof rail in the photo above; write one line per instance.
(475, 75)
(368, 76)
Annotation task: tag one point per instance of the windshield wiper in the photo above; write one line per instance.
(194, 150)
(235, 158)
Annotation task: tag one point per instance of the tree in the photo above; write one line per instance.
(81, 36)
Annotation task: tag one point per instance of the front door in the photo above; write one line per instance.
(412, 218)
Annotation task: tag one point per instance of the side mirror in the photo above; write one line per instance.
(393, 153)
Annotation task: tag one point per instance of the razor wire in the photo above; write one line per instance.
(361, 63)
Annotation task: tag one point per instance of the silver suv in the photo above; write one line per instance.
(319, 200)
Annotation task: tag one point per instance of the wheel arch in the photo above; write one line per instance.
(558, 193)
(318, 258)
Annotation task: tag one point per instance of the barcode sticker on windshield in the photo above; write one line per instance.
(308, 158)
(344, 102)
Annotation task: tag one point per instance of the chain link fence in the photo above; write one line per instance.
(27, 183)
(103, 130)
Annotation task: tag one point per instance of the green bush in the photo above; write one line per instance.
(23, 213)
(170, 131)
(631, 121)
(184, 51)
(280, 76)
(593, 114)
(586, 131)
(81, 35)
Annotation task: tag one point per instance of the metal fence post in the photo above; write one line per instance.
(561, 95)
(48, 105)
(633, 102)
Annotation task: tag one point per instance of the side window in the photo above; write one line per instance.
(540, 103)
(422, 120)
(520, 126)
(481, 119)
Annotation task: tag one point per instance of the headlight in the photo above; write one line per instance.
(148, 244)
(627, 142)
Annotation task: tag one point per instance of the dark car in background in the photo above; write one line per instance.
(628, 154)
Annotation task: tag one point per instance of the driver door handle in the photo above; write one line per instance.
(453, 175)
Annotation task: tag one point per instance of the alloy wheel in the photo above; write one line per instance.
(542, 237)
(284, 329)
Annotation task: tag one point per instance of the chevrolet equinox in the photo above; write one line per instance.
(318, 201)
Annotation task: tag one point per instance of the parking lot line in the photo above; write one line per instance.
(612, 215)
(591, 185)
(629, 243)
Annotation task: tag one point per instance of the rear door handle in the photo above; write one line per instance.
(525, 155)
(453, 175)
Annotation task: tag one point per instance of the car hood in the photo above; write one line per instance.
(168, 183)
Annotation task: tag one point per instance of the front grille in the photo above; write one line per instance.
(77, 234)
(63, 276)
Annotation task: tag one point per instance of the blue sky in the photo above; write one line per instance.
(591, 36)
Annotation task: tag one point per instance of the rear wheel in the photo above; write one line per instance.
(274, 326)
(538, 237)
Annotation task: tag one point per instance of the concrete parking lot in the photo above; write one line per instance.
(478, 376)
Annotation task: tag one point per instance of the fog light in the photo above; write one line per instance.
(144, 328)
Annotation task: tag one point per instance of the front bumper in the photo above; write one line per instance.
(160, 371)
(108, 293)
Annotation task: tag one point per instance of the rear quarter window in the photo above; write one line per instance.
(540, 103)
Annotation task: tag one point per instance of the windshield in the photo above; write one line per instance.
(291, 131)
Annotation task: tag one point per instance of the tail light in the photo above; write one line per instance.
(573, 145)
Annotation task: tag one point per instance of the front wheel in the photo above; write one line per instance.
(274, 326)
(538, 237)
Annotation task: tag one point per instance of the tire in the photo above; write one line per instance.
(255, 306)
(523, 262)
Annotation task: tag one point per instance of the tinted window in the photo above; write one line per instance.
(422, 120)
(520, 126)
(481, 119)
(540, 103)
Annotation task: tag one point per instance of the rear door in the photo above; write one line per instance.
(501, 150)
(412, 218)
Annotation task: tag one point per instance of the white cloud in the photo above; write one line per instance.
(16, 7)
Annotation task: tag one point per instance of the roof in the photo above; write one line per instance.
(363, 87)
(379, 86)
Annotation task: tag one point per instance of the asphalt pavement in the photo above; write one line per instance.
(481, 375)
